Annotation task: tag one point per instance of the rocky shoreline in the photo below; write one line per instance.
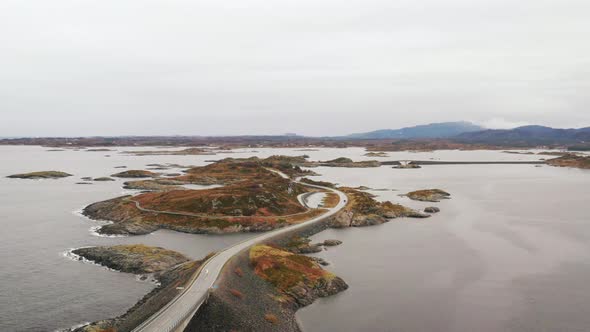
(237, 304)
(571, 160)
(136, 259)
(288, 281)
(277, 268)
(40, 175)
(171, 269)
(428, 195)
(363, 210)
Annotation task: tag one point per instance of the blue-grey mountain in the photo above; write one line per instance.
(433, 130)
(528, 135)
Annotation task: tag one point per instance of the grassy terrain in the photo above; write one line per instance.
(330, 200)
(571, 160)
(428, 195)
(269, 195)
(136, 258)
(363, 210)
(253, 198)
(284, 269)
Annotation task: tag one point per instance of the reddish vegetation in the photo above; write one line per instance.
(231, 170)
(238, 271)
(273, 319)
(236, 293)
(284, 269)
(331, 200)
(268, 196)
(254, 198)
(364, 203)
(428, 195)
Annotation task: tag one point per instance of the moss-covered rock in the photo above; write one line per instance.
(134, 173)
(297, 276)
(137, 259)
(428, 195)
(363, 210)
(40, 175)
(103, 179)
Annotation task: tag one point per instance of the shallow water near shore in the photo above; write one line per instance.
(42, 290)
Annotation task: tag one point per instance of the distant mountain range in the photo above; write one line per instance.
(447, 134)
(467, 132)
(527, 135)
(433, 130)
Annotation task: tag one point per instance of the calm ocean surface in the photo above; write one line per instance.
(510, 251)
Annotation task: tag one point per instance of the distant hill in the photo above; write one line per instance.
(433, 130)
(527, 135)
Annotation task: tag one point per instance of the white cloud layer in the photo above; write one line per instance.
(107, 67)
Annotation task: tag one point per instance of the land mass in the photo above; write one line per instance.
(433, 130)
(428, 195)
(134, 173)
(363, 210)
(571, 160)
(40, 175)
(172, 271)
(447, 135)
(252, 198)
(342, 162)
(136, 259)
(183, 152)
(261, 289)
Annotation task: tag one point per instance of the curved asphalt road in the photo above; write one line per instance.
(178, 312)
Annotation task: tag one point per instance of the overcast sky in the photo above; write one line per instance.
(314, 67)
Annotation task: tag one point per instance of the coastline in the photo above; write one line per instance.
(166, 281)
(220, 305)
(94, 230)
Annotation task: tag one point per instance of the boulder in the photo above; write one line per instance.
(331, 243)
(367, 220)
(309, 249)
(432, 209)
(341, 219)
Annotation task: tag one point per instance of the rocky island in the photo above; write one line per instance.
(343, 162)
(571, 160)
(103, 179)
(407, 165)
(154, 185)
(253, 198)
(183, 152)
(428, 195)
(134, 173)
(40, 175)
(171, 269)
(363, 210)
(297, 276)
(288, 281)
(136, 259)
